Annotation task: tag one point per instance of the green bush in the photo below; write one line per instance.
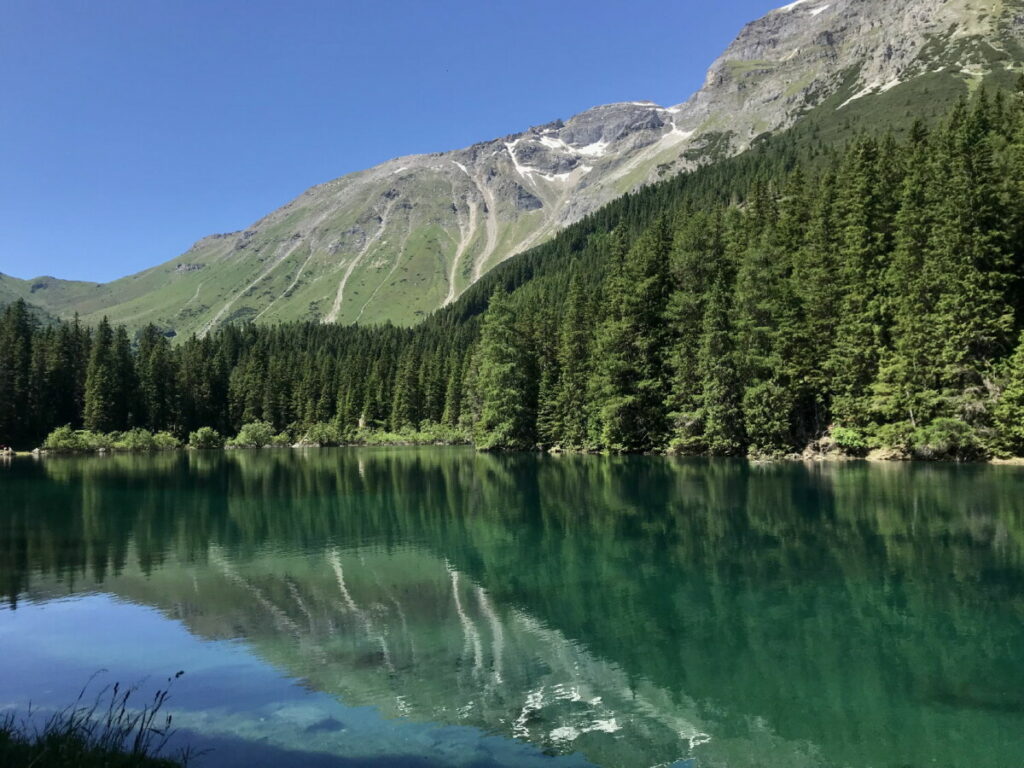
(135, 440)
(66, 440)
(281, 440)
(205, 437)
(165, 441)
(255, 434)
(101, 441)
(850, 441)
(322, 434)
(947, 440)
(896, 436)
(429, 433)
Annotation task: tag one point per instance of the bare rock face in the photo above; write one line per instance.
(399, 240)
(804, 53)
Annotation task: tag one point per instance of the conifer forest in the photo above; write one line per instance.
(866, 297)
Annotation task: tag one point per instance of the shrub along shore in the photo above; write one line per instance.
(257, 434)
(942, 440)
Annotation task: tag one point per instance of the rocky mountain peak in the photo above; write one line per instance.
(399, 240)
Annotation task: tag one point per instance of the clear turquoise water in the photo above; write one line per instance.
(435, 607)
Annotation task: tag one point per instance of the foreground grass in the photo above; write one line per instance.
(105, 733)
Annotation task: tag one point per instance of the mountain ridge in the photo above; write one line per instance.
(396, 241)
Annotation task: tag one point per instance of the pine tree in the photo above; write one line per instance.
(104, 407)
(721, 413)
(574, 365)
(815, 282)
(452, 414)
(630, 369)
(406, 401)
(865, 209)
(16, 329)
(973, 317)
(699, 252)
(506, 407)
(127, 407)
(549, 416)
(1009, 410)
(766, 322)
(907, 388)
(157, 376)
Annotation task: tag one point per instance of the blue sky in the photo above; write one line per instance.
(131, 128)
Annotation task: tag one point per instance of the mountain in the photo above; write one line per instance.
(399, 240)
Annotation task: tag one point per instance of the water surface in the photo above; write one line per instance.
(438, 607)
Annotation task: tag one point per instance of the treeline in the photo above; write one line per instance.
(865, 298)
(332, 383)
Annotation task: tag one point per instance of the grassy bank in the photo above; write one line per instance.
(103, 733)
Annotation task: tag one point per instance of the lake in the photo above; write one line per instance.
(439, 607)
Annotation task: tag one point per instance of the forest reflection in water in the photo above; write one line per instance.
(637, 610)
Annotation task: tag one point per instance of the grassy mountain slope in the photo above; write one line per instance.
(395, 242)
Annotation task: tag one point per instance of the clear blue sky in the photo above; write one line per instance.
(131, 128)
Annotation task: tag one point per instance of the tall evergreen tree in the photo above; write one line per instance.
(157, 377)
(907, 388)
(506, 410)
(406, 401)
(630, 367)
(16, 329)
(721, 395)
(696, 258)
(864, 230)
(974, 319)
(104, 403)
(574, 364)
(1009, 410)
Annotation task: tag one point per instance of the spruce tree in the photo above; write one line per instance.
(406, 401)
(549, 416)
(157, 378)
(973, 317)
(720, 413)
(1009, 410)
(574, 365)
(864, 211)
(104, 407)
(766, 320)
(907, 388)
(815, 273)
(699, 251)
(630, 369)
(16, 329)
(506, 411)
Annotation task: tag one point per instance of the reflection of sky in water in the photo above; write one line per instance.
(51, 648)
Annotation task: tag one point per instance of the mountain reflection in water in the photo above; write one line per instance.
(637, 611)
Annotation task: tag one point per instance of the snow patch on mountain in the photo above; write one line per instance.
(597, 149)
(791, 6)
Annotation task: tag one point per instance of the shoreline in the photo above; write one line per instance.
(875, 457)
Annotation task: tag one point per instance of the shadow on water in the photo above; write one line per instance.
(636, 609)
